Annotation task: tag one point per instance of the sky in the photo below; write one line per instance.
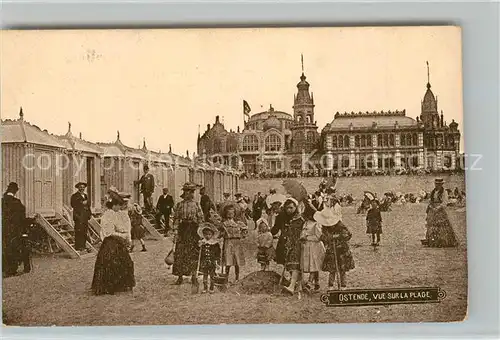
(162, 85)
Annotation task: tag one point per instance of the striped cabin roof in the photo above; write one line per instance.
(79, 144)
(21, 131)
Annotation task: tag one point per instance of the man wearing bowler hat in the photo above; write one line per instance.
(81, 215)
(13, 231)
(147, 183)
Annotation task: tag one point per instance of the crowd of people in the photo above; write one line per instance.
(208, 238)
(349, 173)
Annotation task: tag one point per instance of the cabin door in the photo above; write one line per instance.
(44, 178)
(90, 180)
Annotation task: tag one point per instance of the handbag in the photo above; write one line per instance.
(169, 259)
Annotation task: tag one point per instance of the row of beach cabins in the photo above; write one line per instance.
(47, 167)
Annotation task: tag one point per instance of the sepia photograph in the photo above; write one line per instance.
(233, 176)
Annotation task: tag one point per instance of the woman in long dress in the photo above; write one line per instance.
(439, 233)
(114, 269)
(188, 216)
(291, 231)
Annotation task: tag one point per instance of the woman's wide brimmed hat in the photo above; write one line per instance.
(262, 220)
(208, 226)
(275, 198)
(326, 217)
(292, 200)
(369, 195)
(114, 194)
(439, 181)
(79, 184)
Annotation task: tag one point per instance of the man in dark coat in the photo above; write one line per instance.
(147, 183)
(81, 215)
(206, 204)
(164, 206)
(258, 205)
(13, 232)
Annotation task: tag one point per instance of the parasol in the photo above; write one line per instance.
(295, 189)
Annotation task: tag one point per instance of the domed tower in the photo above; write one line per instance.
(429, 112)
(304, 129)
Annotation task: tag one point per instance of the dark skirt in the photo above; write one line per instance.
(114, 269)
(280, 250)
(374, 228)
(186, 250)
(293, 249)
(137, 232)
(440, 233)
(344, 258)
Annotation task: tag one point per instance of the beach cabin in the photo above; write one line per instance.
(36, 161)
(120, 167)
(31, 158)
(159, 166)
(81, 163)
(181, 175)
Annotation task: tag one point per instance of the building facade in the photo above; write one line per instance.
(271, 141)
(275, 141)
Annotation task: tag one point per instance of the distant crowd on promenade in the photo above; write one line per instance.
(348, 173)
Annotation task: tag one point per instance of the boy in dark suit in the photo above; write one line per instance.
(164, 206)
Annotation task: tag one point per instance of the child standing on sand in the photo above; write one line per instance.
(209, 254)
(374, 222)
(335, 237)
(233, 232)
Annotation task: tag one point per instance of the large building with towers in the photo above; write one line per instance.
(275, 141)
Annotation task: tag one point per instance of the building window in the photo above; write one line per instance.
(231, 144)
(273, 143)
(415, 139)
(345, 161)
(357, 141)
(379, 140)
(391, 139)
(386, 140)
(217, 145)
(363, 141)
(250, 143)
(346, 141)
(415, 161)
(402, 140)
(334, 141)
(447, 161)
(369, 140)
(310, 137)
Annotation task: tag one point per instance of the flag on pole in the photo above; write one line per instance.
(246, 109)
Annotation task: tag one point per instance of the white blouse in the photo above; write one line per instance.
(115, 223)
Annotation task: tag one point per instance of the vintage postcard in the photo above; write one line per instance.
(233, 176)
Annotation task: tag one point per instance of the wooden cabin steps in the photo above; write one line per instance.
(149, 222)
(63, 233)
